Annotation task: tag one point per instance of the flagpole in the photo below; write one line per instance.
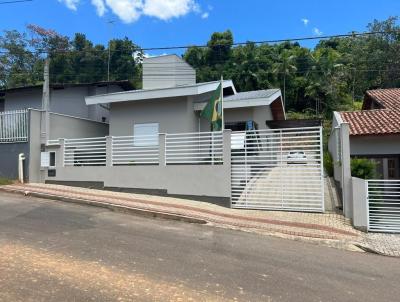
(222, 103)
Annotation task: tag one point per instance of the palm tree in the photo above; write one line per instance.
(285, 65)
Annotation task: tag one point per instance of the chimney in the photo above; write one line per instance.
(167, 71)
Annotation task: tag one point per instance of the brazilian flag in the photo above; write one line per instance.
(213, 110)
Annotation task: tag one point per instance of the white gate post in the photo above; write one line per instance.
(346, 171)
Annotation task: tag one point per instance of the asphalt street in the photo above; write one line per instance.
(55, 251)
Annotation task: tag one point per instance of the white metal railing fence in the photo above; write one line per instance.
(85, 151)
(383, 205)
(135, 150)
(278, 169)
(194, 148)
(14, 126)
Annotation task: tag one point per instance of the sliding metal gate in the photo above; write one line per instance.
(278, 169)
(384, 205)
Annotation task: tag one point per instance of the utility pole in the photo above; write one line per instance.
(110, 23)
(46, 102)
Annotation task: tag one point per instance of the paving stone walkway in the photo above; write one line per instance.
(329, 228)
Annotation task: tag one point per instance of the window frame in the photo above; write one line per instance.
(146, 142)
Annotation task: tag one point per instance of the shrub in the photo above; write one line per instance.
(363, 168)
(328, 163)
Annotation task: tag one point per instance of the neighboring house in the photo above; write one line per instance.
(171, 102)
(374, 132)
(21, 120)
(68, 99)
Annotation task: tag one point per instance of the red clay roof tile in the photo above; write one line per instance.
(373, 122)
(388, 98)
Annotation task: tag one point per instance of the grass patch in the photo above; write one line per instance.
(5, 181)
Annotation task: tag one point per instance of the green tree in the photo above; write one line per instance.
(284, 67)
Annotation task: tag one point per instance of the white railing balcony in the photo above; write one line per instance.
(14, 126)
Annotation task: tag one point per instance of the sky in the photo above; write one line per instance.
(158, 23)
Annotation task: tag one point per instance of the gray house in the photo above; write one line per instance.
(158, 142)
(171, 102)
(68, 99)
(21, 120)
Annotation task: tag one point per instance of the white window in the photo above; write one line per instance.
(145, 134)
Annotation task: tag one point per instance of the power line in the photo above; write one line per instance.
(354, 34)
(14, 1)
(142, 49)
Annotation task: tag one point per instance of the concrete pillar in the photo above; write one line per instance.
(35, 174)
(227, 147)
(347, 195)
(161, 151)
(108, 151)
(227, 166)
(360, 203)
(60, 153)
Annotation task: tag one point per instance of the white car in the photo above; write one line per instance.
(297, 157)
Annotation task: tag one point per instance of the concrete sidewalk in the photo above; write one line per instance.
(331, 229)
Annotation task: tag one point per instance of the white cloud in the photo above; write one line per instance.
(71, 4)
(305, 21)
(317, 32)
(168, 9)
(205, 15)
(131, 10)
(127, 10)
(100, 7)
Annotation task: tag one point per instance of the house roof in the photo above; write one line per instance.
(372, 122)
(158, 93)
(386, 98)
(257, 94)
(246, 99)
(269, 97)
(125, 84)
(380, 114)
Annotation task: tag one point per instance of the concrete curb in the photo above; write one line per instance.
(109, 206)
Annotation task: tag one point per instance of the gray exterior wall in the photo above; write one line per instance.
(9, 159)
(167, 71)
(194, 180)
(174, 115)
(188, 179)
(62, 126)
(375, 145)
(259, 114)
(23, 99)
(69, 101)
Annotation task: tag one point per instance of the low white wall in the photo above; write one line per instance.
(360, 203)
(180, 179)
(196, 180)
